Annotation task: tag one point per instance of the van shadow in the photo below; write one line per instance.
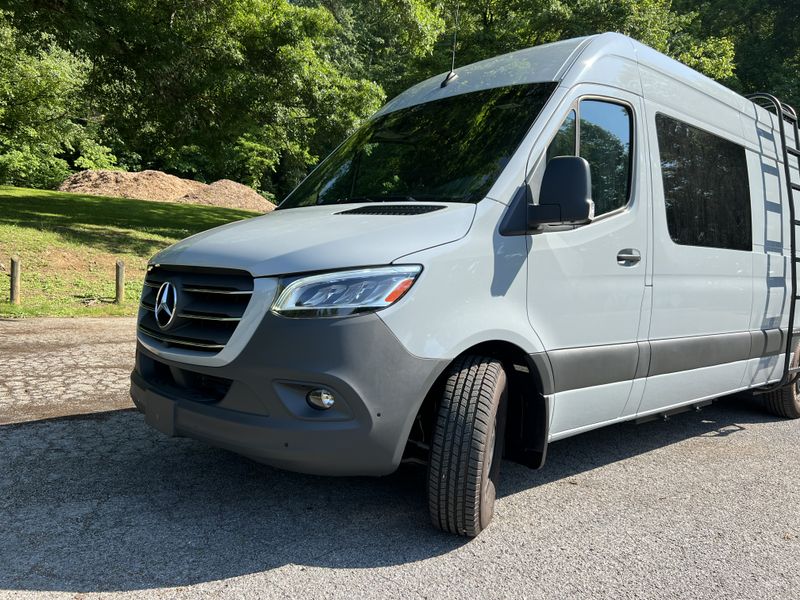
(101, 503)
(592, 450)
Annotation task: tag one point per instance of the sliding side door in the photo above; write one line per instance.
(702, 260)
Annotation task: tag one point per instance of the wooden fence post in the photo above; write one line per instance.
(120, 298)
(15, 280)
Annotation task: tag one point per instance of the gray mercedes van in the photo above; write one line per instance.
(551, 241)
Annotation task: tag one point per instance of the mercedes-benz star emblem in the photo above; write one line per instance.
(166, 304)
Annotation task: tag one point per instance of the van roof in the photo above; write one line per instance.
(608, 58)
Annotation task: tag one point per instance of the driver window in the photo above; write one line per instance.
(604, 140)
(602, 134)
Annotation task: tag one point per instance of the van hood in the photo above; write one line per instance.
(319, 238)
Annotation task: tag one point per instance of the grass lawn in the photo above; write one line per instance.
(68, 245)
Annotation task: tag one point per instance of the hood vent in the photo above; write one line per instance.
(393, 209)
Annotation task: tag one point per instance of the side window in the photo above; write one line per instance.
(706, 189)
(605, 142)
(603, 136)
(564, 142)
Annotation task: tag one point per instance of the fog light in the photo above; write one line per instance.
(321, 399)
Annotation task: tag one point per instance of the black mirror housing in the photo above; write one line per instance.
(565, 197)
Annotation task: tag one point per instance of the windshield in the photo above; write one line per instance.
(449, 150)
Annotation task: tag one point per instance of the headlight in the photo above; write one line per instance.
(345, 293)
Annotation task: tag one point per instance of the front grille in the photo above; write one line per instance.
(393, 209)
(210, 304)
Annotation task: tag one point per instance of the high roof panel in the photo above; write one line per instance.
(609, 58)
(540, 63)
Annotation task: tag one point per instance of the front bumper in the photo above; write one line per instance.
(256, 404)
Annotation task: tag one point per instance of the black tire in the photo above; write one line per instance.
(467, 446)
(785, 402)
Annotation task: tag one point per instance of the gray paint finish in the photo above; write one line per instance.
(264, 415)
(475, 287)
(317, 238)
(541, 63)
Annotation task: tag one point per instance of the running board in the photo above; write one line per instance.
(664, 416)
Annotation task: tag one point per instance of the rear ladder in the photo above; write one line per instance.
(785, 113)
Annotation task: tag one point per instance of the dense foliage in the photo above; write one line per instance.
(40, 111)
(259, 90)
(765, 35)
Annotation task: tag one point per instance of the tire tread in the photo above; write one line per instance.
(463, 428)
(784, 402)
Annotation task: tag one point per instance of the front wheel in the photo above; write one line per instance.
(468, 446)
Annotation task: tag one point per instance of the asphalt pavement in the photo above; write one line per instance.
(705, 505)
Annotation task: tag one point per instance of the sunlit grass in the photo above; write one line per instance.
(68, 245)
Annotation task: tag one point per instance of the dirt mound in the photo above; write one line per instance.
(155, 185)
(145, 185)
(229, 194)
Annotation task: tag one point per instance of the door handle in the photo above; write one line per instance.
(628, 257)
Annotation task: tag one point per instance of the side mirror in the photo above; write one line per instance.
(565, 197)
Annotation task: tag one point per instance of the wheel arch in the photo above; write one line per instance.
(529, 379)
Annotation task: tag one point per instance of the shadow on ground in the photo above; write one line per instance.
(95, 220)
(102, 503)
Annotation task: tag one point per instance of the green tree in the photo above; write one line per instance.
(259, 90)
(490, 27)
(245, 89)
(766, 38)
(42, 123)
(380, 39)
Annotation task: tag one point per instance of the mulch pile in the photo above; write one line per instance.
(158, 186)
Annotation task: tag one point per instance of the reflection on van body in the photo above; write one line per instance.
(558, 239)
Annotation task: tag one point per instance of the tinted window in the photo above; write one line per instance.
(563, 143)
(450, 150)
(706, 189)
(605, 142)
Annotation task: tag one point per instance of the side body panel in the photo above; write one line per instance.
(698, 293)
(712, 318)
(686, 324)
(712, 321)
(586, 306)
(470, 291)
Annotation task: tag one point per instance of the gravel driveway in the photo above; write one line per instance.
(62, 367)
(702, 506)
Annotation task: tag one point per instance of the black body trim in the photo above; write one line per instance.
(767, 342)
(645, 357)
(576, 368)
(543, 366)
(683, 354)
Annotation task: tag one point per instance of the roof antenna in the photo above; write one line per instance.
(452, 75)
